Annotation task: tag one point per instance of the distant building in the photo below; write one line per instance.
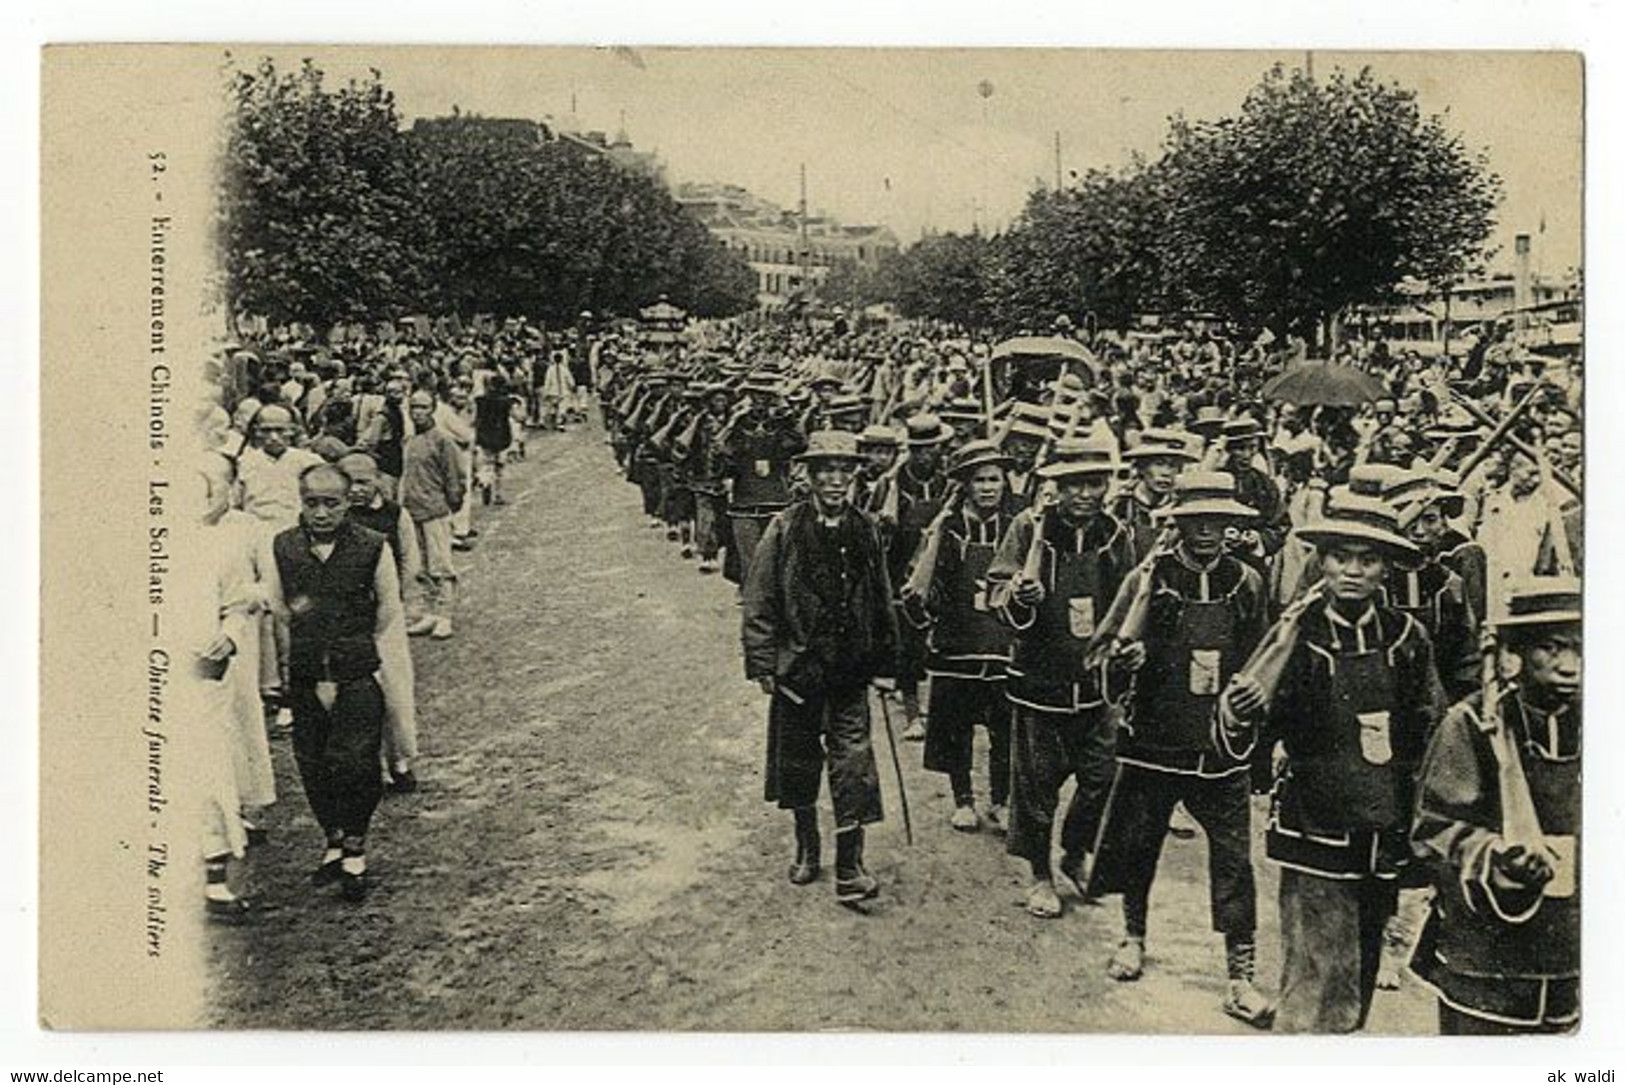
(619, 151)
(771, 240)
(1545, 311)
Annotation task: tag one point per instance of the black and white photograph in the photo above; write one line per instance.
(652, 538)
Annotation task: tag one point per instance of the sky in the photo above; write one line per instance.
(944, 139)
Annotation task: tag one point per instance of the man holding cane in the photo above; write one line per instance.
(818, 630)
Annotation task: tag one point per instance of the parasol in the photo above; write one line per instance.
(1324, 384)
(1044, 346)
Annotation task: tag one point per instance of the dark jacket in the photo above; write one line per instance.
(817, 603)
(1493, 949)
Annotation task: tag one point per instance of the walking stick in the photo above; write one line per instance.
(897, 766)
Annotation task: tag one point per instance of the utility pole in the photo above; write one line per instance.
(801, 252)
(1057, 160)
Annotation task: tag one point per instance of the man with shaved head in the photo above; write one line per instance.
(337, 589)
(433, 485)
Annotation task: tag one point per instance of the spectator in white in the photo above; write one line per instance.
(242, 546)
(557, 388)
(432, 487)
(224, 835)
(268, 473)
(1515, 518)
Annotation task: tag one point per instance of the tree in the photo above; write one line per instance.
(1094, 246)
(319, 216)
(1318, 195)
(944, 277)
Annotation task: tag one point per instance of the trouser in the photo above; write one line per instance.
(649, 486)
(337, 752)
(438, 577)
(747, 528)
(1331, 938)
(708, 513)
(830, 729)
(1046, 748)
(1136, 823)
(958, 705)
(462, 521)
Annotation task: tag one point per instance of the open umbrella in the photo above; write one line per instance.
(1324, 384)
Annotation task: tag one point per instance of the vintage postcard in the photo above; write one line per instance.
(805, 540)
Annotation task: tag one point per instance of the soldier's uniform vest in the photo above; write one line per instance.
(1192, 649)
(968, 640)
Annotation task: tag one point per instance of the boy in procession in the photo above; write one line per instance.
(1498, 812)
(968, 644)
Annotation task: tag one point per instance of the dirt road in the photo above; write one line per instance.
(589, 848)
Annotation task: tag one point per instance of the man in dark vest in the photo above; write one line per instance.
(969, 646)
(1502, 946)
(338, 589)
(1357, 698)
(1204, 615)
(1158, 458)
(818, 629)
(1052, 589)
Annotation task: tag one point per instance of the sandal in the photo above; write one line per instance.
(1128, 963)
(1248, 1005)
(1042, 901)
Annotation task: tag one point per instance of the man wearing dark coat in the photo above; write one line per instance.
(818, 630)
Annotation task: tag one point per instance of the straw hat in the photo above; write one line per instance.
(925, 430)
(1542, 600)
(827, 445)
(1164, 444)
(879, 437)
(1208, 493)
(1355, 518)
(1074, 458)
(974, 454)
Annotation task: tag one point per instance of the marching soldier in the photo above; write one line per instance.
(705, 468)
(759, 442)
(819, 628)
(1499, 814)
(1024, 438)
(878, 446)
(1157, 459)
(1356, 700)
(921, 487)
(968, 645)
(1056, 570)
(1204, 612)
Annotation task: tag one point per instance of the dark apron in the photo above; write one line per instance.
(1185, 670)
(1351, 780)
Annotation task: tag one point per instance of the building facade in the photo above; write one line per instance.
(790, 257)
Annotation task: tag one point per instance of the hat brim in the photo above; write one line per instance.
(1164, 453)
(1214, 507)
(830, 457)
(1074, 470)
(1331, 533)
(981, 461)
(927, 442)
(1551, 617)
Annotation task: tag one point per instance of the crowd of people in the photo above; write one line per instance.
(342, 480)
(1134, 562)
(1141, 565)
